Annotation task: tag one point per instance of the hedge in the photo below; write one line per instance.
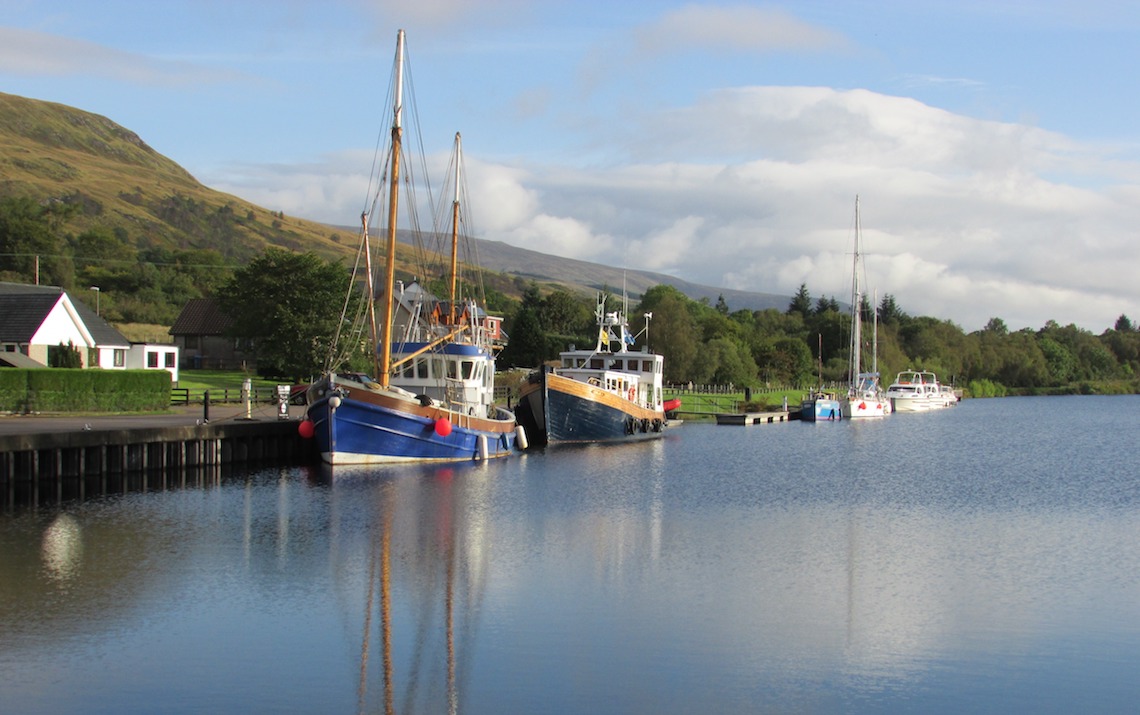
(76, 390)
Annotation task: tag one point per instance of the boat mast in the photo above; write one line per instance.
(856, 307)
(455, 230)
(393, 204)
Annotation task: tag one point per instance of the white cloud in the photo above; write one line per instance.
(963, 218)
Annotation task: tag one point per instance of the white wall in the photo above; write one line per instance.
(61, 326)
(138, 358)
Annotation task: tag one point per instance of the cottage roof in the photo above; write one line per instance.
(201, 316)
(104, 333)
(18, 360)
(23, 314)
(25, 307)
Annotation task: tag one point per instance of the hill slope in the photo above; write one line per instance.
(52, 152)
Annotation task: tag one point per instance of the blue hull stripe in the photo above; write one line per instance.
(379, 434)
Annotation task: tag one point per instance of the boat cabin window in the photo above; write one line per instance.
(437, 368)
(408, 369)
(597, 364)
(422, 368)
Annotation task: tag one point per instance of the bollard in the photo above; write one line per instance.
(206, 407)
(246, 389)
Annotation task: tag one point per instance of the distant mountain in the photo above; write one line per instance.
(52, 152)
(584, 275)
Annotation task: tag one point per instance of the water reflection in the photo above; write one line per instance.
(63, 547)
(716, 570)
(422, 569)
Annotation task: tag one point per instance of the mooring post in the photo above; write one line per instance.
(206, 407)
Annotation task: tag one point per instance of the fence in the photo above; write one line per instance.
(708, 400)
(186, 396)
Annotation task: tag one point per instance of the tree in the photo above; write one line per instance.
(29, 230)
(801, 302)
(721, 305)
(563, 313)
(786, 360)
(290, 305)
(673, 329)
(889, 311)
(997, 327)
(64, 356)
(1123, 324)
(734, 363)
(527, 344)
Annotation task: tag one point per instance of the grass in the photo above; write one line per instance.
(219, 380)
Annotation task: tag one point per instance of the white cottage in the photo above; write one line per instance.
(36, 320)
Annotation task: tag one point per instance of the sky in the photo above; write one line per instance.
(994, 145)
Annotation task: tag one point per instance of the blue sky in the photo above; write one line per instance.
(995, 146)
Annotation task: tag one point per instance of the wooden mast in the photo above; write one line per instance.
(393, 205)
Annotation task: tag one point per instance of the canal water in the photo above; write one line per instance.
(983, 558)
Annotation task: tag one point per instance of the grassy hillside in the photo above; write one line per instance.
(52, 152)
(111, 179)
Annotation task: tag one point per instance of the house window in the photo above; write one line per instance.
(120, 357)
(151, 359)
(169, 360)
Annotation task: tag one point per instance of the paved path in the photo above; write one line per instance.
(177, 416)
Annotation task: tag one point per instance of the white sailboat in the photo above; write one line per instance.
(865, 397)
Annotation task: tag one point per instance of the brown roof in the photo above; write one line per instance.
(201, 316)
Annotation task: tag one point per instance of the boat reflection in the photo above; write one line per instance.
(423, 571)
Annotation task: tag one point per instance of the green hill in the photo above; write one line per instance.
(128, 219)
(111, 178)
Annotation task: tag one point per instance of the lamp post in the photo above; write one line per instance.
(97, 292)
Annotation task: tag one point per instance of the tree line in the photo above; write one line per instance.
(809, 343)
(137, 283)
(703, 342)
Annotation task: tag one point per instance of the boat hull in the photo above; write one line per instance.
(559, 410)
(913, 404)
(354, 426)
(863, 407)
(820, 410)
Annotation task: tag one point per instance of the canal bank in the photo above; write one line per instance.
(38, 447)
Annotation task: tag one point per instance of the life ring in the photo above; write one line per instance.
(632, 394)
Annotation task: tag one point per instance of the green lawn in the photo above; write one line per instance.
(219, 380)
